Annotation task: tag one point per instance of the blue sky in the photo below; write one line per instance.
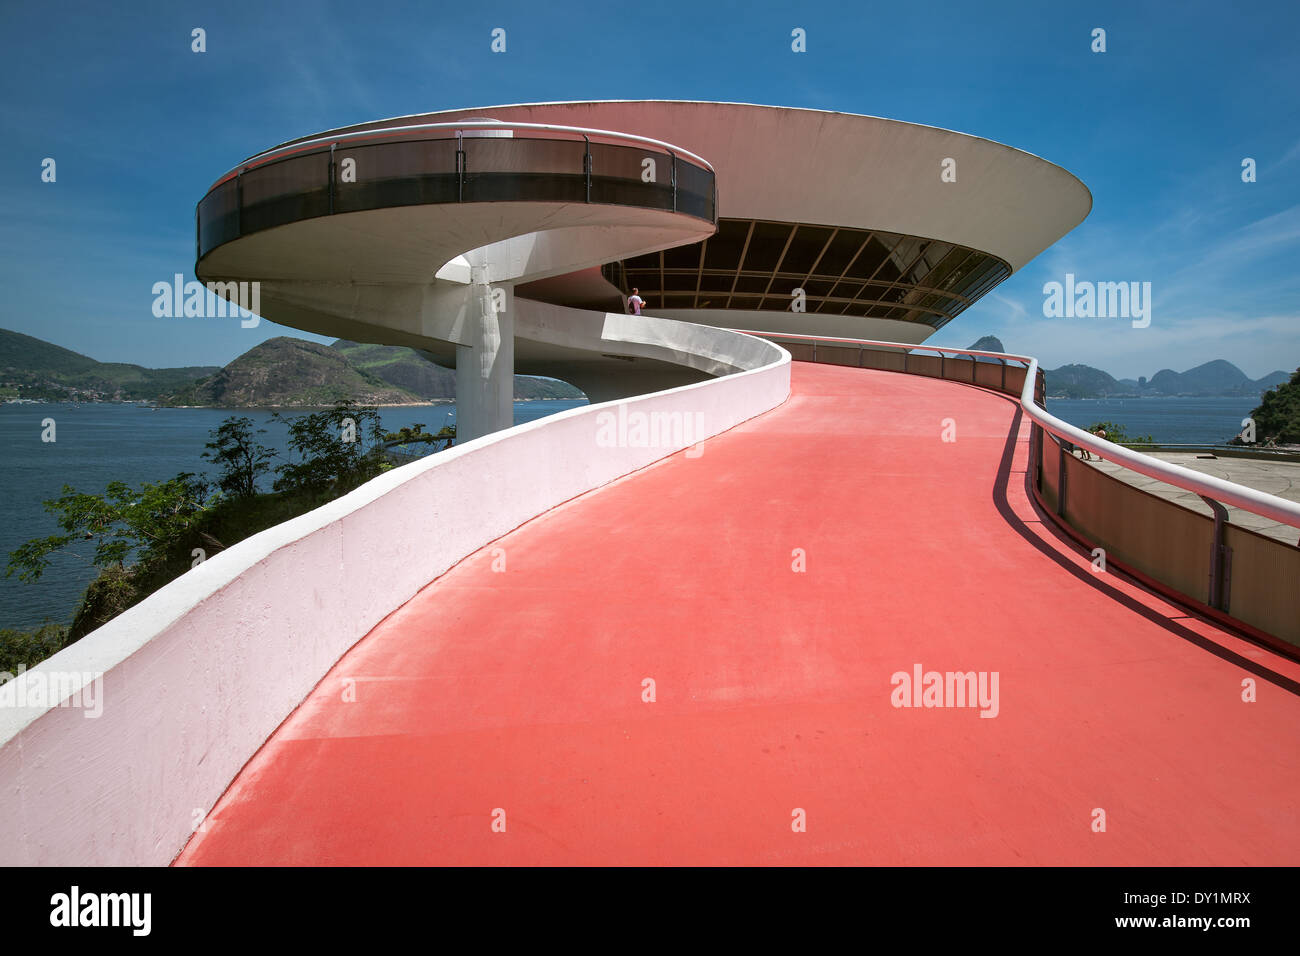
(1157, 128)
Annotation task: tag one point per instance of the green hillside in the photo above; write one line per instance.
(31, 368)
(286, 372)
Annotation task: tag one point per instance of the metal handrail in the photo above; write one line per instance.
(303, 145)
(1207, 486)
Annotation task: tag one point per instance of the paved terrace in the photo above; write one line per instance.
(522, 689)
(1281, 478)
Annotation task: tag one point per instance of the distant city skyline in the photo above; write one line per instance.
(1157, 126)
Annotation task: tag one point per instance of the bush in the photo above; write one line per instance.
(26, 649)
(144, 538)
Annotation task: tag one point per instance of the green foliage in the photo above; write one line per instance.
(337, 449)
(415, 435)
(116, 589)
(239, 456)
(226, 523)
(26, 649)
(1116, 433)
(119, 522)
(1277, 419)
(157, 526)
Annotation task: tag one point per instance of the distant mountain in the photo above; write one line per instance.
(1217, 379)
(1212, 378)
(406, 369)
(289, 372)
(1083, 381)
(32, 368)
(987, 343)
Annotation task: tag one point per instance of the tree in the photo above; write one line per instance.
(123, 522)
(1278, 416)
(239, 456)
(337, 449)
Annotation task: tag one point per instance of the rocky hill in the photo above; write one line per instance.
(406, 369)
(287, 372)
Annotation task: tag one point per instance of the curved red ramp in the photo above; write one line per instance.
(501, 716)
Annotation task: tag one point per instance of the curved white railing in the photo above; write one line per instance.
(1225, 492)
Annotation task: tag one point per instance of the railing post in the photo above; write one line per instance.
(1036, 454)
(1003, 363)
(460, 166)
(906, 355)
(333, 177)
(1062, 454)
(974, 360)
(239, 203)
(674, 175)
(586, 163)
(943, 365)
(1218, 598)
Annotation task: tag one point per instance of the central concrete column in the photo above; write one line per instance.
(485, 369)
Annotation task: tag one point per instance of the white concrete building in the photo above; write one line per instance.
(508, 238)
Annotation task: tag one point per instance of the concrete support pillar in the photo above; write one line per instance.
(485, 369)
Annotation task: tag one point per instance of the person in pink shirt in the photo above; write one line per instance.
(635, 302)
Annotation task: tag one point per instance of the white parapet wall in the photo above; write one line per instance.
(196, 677)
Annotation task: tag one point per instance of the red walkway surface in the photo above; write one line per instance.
(522, 689)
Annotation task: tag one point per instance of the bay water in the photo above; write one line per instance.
(99, 443)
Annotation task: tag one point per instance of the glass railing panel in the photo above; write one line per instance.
(695, 191)
(630, 176)
(395, 174)
(285, 191)
(501, 169)
(219, 216)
